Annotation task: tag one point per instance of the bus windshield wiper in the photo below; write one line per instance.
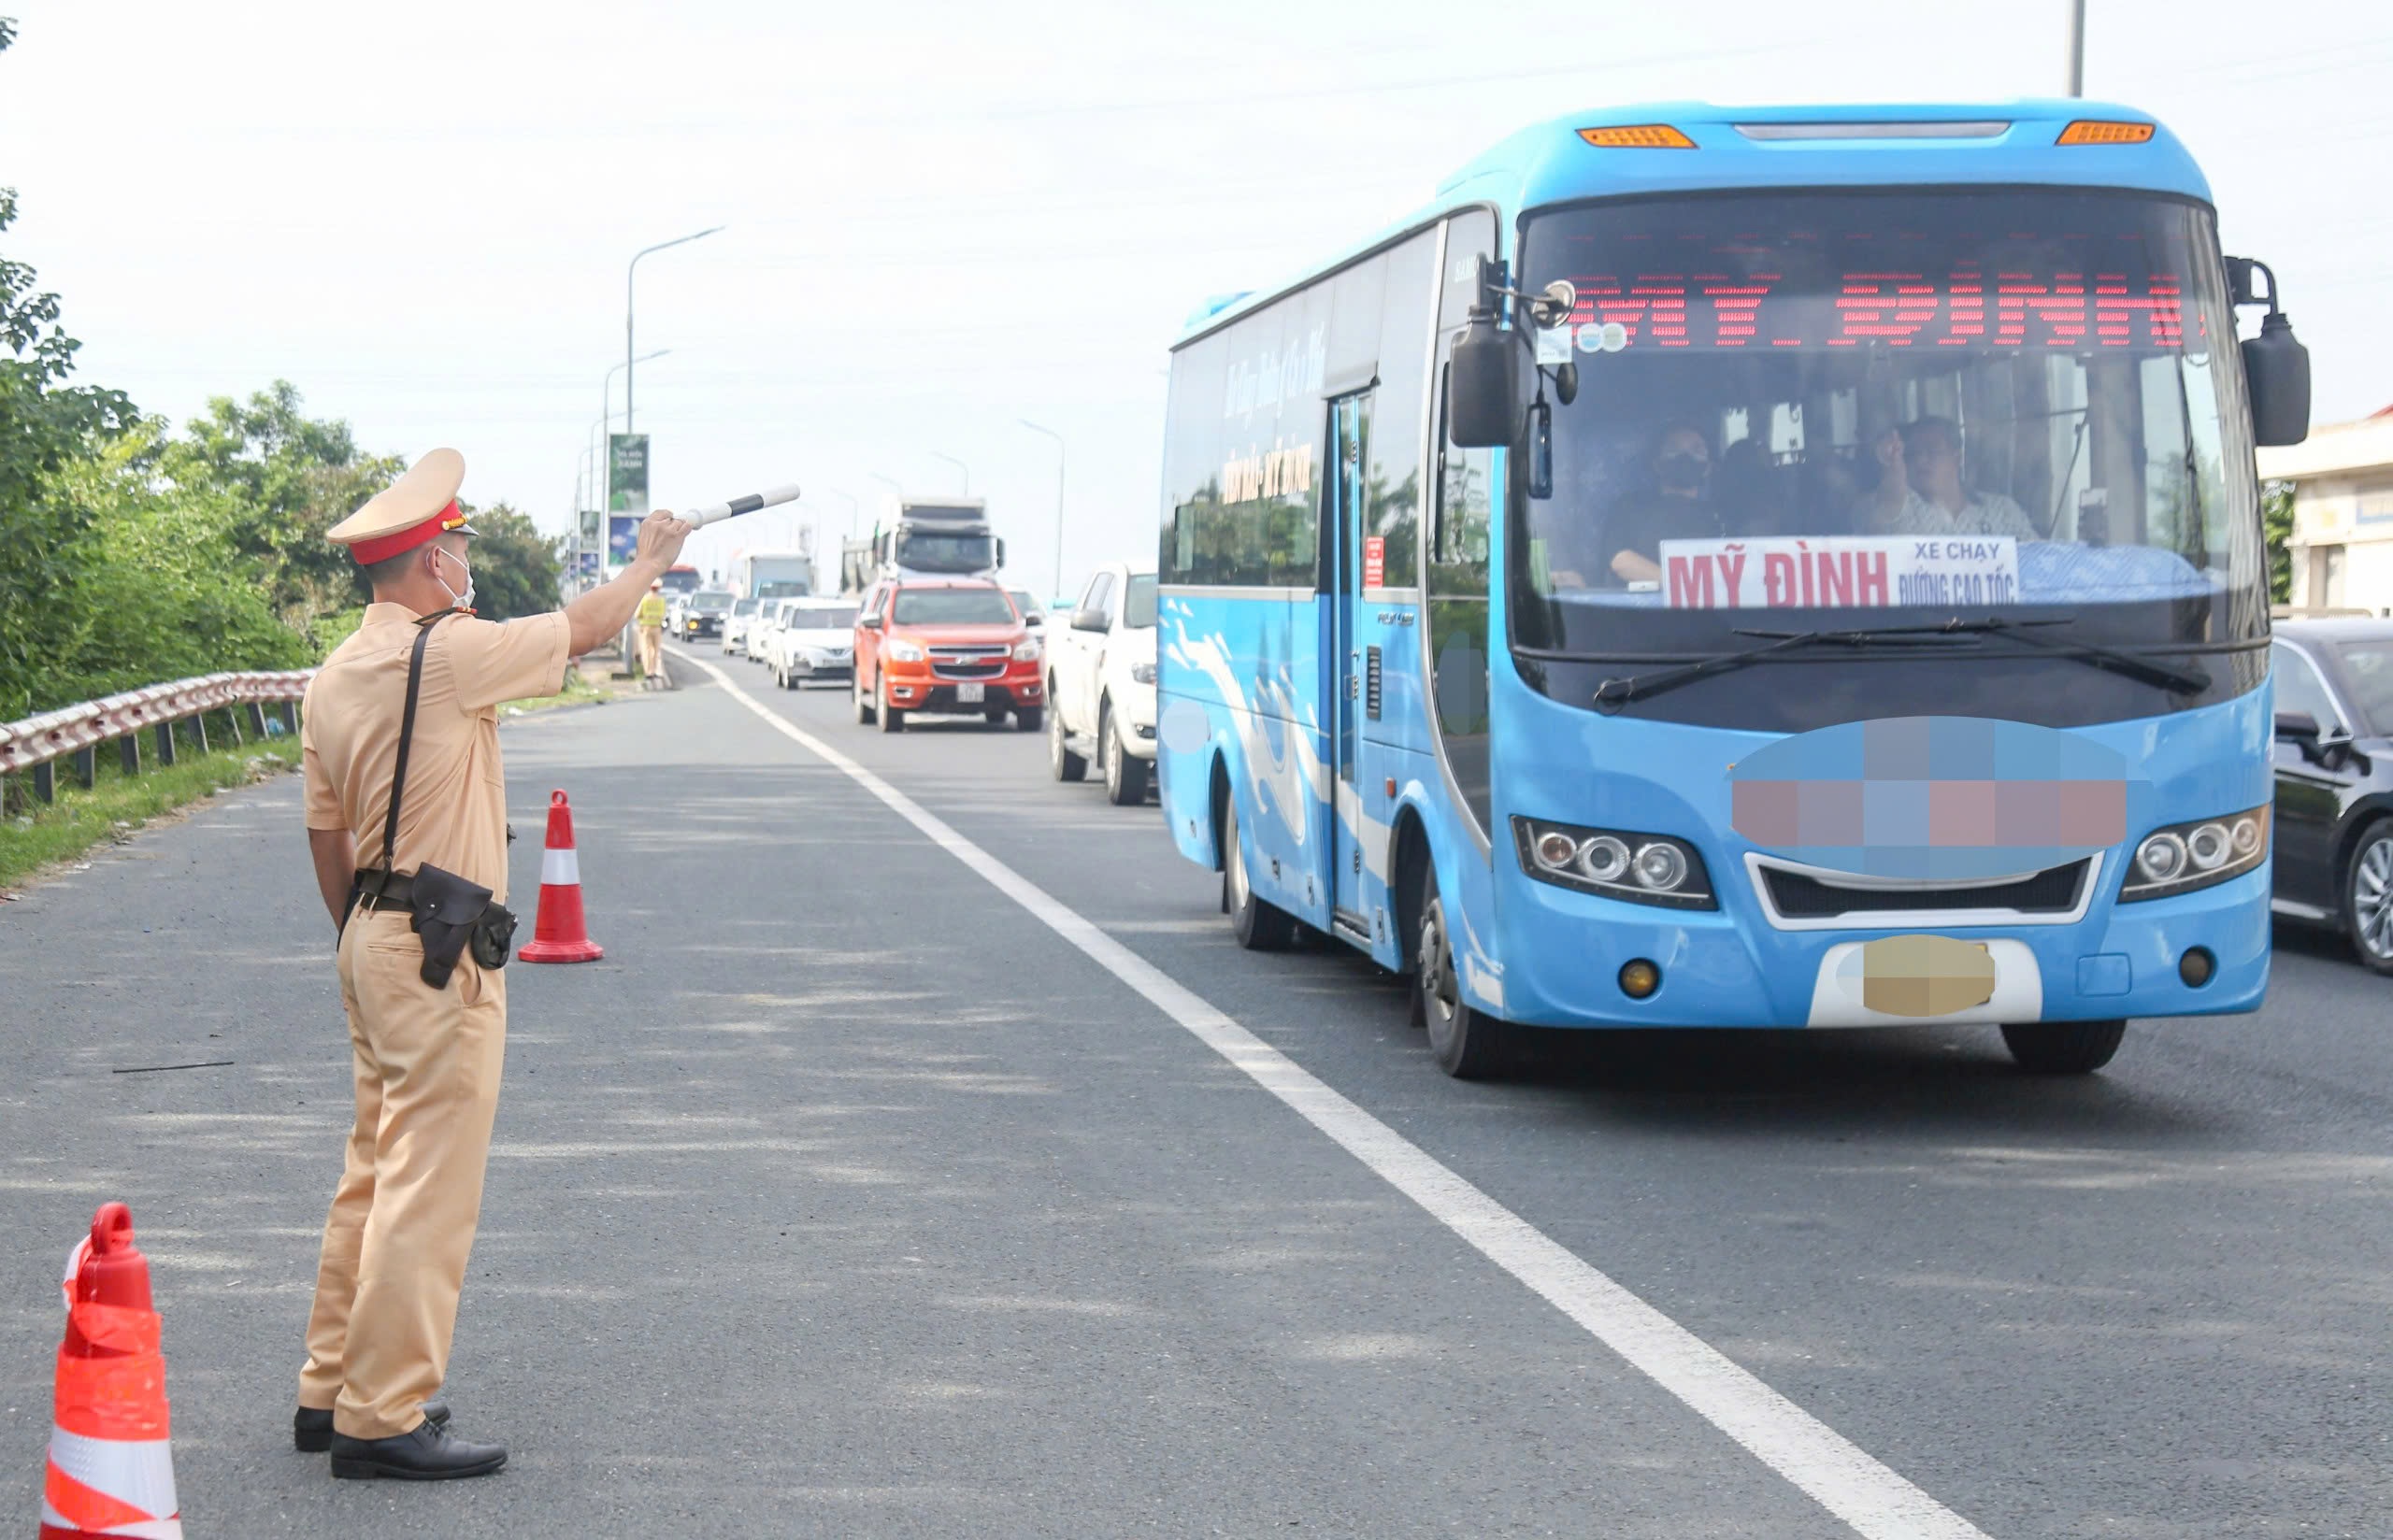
(2183, 681)
(1614, 693)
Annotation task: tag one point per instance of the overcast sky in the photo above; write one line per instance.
(943, 219)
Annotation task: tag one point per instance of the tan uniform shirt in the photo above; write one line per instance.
(454, 815)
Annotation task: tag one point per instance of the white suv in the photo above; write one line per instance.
(809, 640)
(1101, 683)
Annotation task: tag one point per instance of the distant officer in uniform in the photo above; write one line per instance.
(651, 630)
(426, 1058)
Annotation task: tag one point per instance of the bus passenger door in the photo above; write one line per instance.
(1350, 431)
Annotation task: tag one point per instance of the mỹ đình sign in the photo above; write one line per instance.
(1842, 572)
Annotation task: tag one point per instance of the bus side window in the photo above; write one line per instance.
(1458, 541)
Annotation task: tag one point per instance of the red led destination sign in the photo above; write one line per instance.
(1964, 308)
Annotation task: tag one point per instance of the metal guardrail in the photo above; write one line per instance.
(75, 732)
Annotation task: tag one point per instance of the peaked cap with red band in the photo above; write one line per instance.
(415, 510)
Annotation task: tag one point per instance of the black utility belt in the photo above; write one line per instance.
(449, 913)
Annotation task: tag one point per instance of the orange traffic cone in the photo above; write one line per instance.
(558, 934)
(112, 1472)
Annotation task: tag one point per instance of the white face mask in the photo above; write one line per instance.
(464, 600)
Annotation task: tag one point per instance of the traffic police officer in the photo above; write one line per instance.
(426, 1058)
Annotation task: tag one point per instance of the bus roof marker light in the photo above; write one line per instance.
(2095, 130)
(1638, 136)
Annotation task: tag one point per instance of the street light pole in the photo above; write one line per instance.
(2077, 48)
(631, 270)
(958, 464)
(1059, 498)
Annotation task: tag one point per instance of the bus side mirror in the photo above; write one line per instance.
(2277, 370)
(2276, 366)
(1483, 386)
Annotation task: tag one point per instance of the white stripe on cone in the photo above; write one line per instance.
(560, 869)
(139, 1471)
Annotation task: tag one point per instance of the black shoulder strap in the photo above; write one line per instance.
(407, 735)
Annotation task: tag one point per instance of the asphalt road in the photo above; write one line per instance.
(847, 1196)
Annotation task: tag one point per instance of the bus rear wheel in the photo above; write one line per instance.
(1260, 926)
(2063, 1048)
(1468, 1043)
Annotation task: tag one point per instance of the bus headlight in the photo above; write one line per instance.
(1618, 863)
(2184, 857)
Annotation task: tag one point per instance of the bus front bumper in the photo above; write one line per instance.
(1563, 952)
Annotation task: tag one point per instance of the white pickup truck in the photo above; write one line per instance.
(1101, 683)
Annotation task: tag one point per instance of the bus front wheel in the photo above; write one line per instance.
(1468, 1043)
(2063, 1048)
(1259, 925)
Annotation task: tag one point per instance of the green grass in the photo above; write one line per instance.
(36, 834)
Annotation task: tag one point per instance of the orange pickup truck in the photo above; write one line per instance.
(949, 644)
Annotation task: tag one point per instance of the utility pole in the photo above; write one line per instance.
(2077, 48)
(1059, 498)
(631, 271)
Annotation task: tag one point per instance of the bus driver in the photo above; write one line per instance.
(1921, 492)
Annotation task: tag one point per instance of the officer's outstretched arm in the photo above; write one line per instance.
(599, 616)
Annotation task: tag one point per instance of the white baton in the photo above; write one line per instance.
(714, 512)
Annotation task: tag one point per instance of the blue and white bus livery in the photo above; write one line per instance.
(1771, 567)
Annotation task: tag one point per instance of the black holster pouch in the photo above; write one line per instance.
(452, 914)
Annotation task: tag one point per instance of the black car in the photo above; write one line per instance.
(2334, 760)
(701, 613)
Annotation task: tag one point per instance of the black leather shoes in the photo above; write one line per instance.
(430, 1453)
(311, 1431)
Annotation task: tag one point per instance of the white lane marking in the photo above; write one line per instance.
(1864, 1493)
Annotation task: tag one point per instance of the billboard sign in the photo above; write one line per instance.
(626, 494)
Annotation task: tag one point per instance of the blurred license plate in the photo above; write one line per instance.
(969, 694)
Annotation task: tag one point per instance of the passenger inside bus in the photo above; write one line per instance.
(1624, 546)
(1922, 489)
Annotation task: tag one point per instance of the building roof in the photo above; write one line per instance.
(2335, 448)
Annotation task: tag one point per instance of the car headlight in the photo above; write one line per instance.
(1026, 651)
(1144, 673)
(2184, 857)
(904, 651)
(1615, 862)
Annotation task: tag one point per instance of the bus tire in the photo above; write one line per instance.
(1468, 1043)
(1260, 926)
(2063, 1048)
(1126, 773)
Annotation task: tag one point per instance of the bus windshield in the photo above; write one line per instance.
(1859, 409)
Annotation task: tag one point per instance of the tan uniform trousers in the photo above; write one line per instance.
(401, 1222)
(650, 649)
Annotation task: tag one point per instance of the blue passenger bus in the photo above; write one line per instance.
(1722, 568)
